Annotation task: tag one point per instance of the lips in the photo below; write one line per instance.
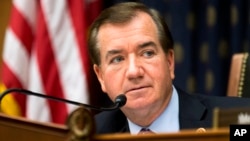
(134, 89)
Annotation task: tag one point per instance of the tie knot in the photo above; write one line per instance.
(145, 131)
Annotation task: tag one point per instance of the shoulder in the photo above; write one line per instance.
(225, 101)
(110, 122)
(196, 110)
(215, 101)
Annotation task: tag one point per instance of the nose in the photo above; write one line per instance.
(134, 69)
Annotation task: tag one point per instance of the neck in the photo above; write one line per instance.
(146, 116)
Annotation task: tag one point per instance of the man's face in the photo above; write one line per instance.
(133, 63)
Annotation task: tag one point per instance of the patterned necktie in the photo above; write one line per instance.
(146, 131)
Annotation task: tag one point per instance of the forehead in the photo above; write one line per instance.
(140, 25)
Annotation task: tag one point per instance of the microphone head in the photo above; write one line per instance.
(121, 100)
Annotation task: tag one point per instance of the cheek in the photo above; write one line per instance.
(112, 83)
(162, 75)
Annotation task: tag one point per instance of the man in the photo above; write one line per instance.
(132, 51)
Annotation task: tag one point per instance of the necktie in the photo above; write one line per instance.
(145, 131)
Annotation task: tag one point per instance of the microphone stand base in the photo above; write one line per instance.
(81, 125)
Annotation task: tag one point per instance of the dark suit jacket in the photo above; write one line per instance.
(195, 111)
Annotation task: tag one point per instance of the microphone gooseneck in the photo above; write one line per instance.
(119, 101)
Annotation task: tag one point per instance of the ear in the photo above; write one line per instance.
(171, 63)
(99, 75)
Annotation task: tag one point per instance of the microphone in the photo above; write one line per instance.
(120, 100)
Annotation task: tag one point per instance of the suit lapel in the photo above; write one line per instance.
(192, 112)
(121, 123)
(125, 128)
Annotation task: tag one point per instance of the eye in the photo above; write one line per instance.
(148, 53)
(116, 59)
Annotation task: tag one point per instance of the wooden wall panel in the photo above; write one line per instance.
(5, 6)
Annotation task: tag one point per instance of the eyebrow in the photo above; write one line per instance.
(146, 44)
(140, 46)
(112, 52)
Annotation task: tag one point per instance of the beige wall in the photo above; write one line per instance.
(5, 6)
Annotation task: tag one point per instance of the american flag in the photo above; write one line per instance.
(45, 51)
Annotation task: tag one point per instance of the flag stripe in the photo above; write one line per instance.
(27, 8)
(12, 53)
(18, 44)
(21, 99)
(77, 17)
(48, 69)
(72, 76)
(21, 28)
(67, 56)
(80, 29)
(37, 108)
(92, 9)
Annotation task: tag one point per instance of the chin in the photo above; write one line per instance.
(137, 105)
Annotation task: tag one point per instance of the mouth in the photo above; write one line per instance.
(136, 89)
